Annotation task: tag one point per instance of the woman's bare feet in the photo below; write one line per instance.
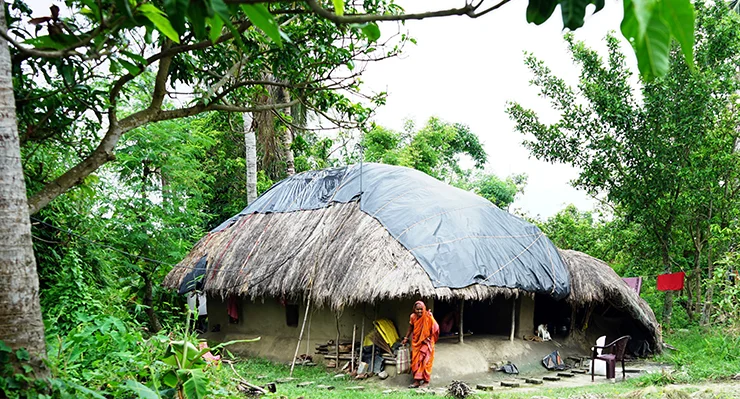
(415, 385)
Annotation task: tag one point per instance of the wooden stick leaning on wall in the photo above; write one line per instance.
(372, 354)
(300, 336)
(362, 337)
(336, 344)
(352, 351)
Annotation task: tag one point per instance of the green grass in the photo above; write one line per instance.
(701, 355)
(260, 372)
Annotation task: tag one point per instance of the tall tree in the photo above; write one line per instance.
(20, 318)
(645, 156)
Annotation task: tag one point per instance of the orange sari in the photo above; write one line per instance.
(424, 336)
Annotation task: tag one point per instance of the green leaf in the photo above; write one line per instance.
(170, 379)
(261, 18)
(87, 391)
(339, 7)
(197, 16)
(135, 57)
(125, 7)
(4, 347)
(679, 14)
(45, 42)
(160, 21)
(573, 12)
(637, 16)
(371, 31)
(196, 387)
(539, 11)
(131, 68)
(22, 355)
(176, 10)
(217, 25)
(142, 391)
(653, 56)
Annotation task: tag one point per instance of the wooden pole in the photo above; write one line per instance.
(460, 332)
(336, 344)
(362, 337)
(308, 334)
(300, 336)
(513, 319)
(372, 353)
(352, 351)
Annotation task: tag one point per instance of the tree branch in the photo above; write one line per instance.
(468, 10)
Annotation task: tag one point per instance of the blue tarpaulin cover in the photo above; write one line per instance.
(458, 237)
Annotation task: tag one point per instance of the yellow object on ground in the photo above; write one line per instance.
(387, 330)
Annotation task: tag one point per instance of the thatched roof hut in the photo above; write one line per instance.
(341, 237)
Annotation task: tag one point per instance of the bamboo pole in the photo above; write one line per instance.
(513, 319)
(362, 337)
(352, 351)
(300, 336)
(372, 353)
(336, 343)
(308, 334)
(462, 307)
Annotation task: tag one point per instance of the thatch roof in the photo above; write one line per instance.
(592, 281)
(338, 255)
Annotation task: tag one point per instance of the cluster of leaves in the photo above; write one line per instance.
(434, 149)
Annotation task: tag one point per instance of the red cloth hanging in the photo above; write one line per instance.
(671, 282)
(232, 307)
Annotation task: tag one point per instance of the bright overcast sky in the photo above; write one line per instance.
(465, 71)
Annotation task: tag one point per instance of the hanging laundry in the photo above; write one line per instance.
(671, 282)
(634, 282)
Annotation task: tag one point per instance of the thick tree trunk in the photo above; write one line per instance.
(250, 143)
(288, 138)
(20, 312)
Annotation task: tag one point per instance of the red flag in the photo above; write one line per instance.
(671, 282)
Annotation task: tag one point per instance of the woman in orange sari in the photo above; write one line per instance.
(424, 332)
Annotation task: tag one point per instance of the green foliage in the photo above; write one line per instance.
(17, 377)
(500, 192)
(649, 26)
(666, 160)
(435, 149)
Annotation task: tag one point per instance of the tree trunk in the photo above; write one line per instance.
(154, 324)
(668, 303)
(20, 312)
(250, 143)
(288, 138)
(706, 311)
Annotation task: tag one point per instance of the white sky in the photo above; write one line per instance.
(465, 71)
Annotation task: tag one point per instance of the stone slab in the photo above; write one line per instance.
(510, 384)
(551, 378)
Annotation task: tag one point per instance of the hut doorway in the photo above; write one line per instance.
(556, 315)
(491, 317)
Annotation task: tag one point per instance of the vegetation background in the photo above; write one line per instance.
(123, 176)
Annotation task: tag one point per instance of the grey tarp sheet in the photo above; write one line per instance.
(458, 237)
